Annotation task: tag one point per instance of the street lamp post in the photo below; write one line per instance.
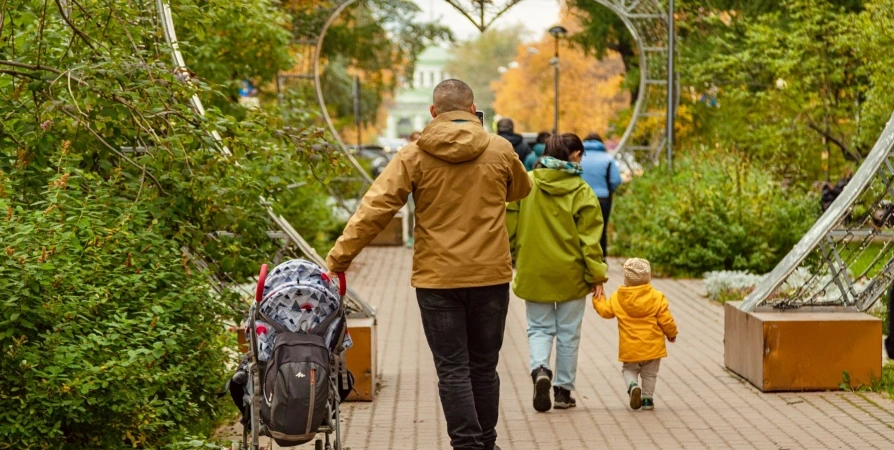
(557, 31)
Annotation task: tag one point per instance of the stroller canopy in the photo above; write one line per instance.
(299, 296)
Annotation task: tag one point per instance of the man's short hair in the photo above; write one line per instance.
(452, 95)
(505, 126)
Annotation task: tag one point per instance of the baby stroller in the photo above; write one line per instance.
(293, 378)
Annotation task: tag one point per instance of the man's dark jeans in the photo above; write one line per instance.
(464, 328)
(606, 205)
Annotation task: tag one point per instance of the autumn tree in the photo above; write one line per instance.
(478, 61)
(590, 94)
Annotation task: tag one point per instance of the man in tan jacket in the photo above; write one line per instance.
(461, 178)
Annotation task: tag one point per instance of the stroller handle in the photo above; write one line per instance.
(262, 277)
(342, 284)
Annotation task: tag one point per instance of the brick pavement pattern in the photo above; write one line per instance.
(699, 405)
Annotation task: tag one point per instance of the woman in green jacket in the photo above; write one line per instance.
(554, 237)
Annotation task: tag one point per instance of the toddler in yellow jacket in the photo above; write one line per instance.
(644, 320)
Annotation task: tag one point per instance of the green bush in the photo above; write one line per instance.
(714, 212)
(110, 339)
(111, 335)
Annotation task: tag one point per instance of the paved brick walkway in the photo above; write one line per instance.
(699, 404)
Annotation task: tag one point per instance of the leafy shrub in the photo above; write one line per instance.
(109, 337)
(714, 212)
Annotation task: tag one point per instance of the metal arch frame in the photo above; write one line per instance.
(318, 88)
(628, 11)
(166, 19)
(623, 14)
(823, 228)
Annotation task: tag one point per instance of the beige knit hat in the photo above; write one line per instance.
(637, 272)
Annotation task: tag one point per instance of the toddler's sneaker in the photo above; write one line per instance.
(648, 404)
(636, 395)
(543, 379)
(563, 398)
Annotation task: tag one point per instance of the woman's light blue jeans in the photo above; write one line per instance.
(560, 322)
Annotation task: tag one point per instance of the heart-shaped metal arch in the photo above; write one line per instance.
(647, 21)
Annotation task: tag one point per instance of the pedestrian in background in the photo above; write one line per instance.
(506, 130)
(536, 150)
(602, 174)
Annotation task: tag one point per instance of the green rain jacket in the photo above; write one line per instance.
(554, 238)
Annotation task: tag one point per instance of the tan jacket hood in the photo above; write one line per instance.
(638, 301)
(455, 137)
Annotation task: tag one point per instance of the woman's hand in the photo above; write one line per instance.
(598, 291)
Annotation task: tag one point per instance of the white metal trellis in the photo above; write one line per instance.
(818, 271)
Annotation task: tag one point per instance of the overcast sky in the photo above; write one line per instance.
(536, 15)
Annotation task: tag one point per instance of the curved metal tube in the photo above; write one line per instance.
(319, 89)
(643, 72)
(167, 24)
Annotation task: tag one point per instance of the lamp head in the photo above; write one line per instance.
(558, 31)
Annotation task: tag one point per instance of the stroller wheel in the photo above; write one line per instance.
(318, 445)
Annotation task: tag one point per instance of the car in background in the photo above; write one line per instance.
(375, 157)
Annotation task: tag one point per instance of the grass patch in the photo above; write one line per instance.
(884, 383)
(864, 261)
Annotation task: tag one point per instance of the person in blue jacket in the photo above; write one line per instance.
(602, 174)
(536, 151)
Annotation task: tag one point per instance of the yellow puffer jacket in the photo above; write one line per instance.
(461, 178)
(644, 320)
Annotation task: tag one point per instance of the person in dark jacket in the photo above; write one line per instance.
(506, 130)
(602, 174)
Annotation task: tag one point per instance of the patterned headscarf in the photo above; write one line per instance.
(564, 166)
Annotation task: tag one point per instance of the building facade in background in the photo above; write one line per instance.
(409, 111)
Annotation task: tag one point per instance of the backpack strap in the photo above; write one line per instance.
(320, 330)
(276, 326)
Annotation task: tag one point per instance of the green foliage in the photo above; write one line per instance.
(236, 39)
(790, 83)
(110, 338)
(111, 335)
(603, 30)
(716, 211)
(803, 86)
(885, 383)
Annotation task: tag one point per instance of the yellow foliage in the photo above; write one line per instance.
(590, 93)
